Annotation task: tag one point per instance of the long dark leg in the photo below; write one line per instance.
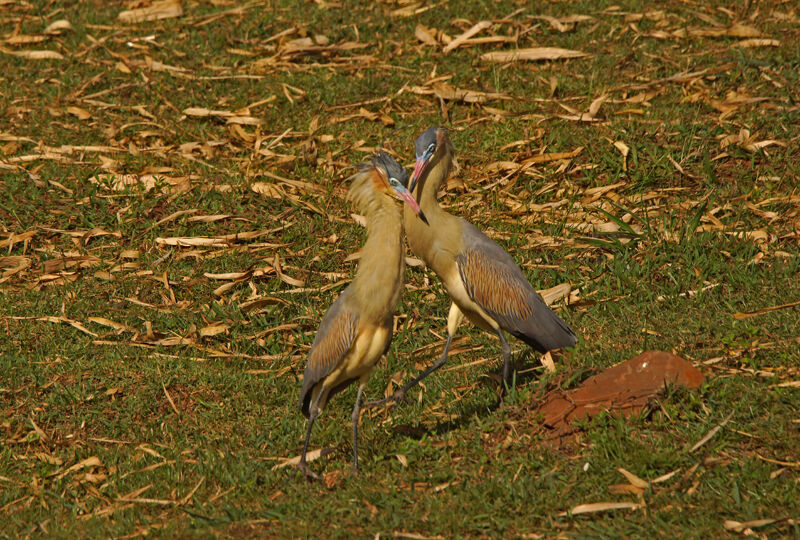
(399, 395)
(313, 413)
(454, 319)
(356, 415)
(506, 356)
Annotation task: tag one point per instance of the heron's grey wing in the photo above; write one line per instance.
(495, 282)
(334, 338)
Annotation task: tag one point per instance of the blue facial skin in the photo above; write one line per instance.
(424, 148)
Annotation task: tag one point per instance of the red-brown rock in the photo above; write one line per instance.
(625, 388)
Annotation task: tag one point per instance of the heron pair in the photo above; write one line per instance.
(484, 283)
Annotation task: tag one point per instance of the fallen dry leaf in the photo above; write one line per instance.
(748, 314)
(81, 114)
(711, 433)
(555, 293)
(624, 149)
(37, 55)
(425, 35)
(57, 27)
(741, 526)
(156, 11)
(532, 54)
(750, 43)
(633, 479)
(311, 455)
(600, 507)
(448, 92)
(459, 40)
(214, 329)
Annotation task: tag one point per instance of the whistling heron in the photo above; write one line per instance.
(357, 329)
(483, 281)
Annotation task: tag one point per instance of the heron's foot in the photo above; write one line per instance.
(395, 399)
(309, 475)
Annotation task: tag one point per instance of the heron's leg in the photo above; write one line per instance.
(356, 415)
(453, 320)
(506, 356)
(312, 415)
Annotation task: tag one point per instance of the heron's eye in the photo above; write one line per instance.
(431, 148)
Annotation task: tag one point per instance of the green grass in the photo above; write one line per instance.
(467, 465)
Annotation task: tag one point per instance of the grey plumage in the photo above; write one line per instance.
(425, 140)
(393, 168)
(333, 340)
(495, 282)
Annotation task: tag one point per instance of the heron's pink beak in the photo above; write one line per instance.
(409, 199)
(419, 168)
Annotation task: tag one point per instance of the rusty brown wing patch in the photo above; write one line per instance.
(495, 282)
(333, 340)
(494, 286)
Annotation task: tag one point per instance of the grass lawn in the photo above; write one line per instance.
(173, 227)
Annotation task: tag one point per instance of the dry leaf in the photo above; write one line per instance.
(202, 112)
(547, 361)
(460, 40)
(742, 31)
(332, 479)
(553, 294)
(425, 36)
(37, 55)
(214, 329)
(739, 527)
(594, 107)
(750, 43)
(711, 433)
(633, 479)
(624, 150)
(748, 314)
(119, 327)
(563, 24)
(532, 54)
(82, 114)
(158, 10)
(57, 27)
(311, 455)
(93, 461)
(13, 264)
(448, 92)
(24, 39)
(121, 182)
(601, 507)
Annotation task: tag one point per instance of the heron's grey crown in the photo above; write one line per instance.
(427, 138)
(393, 168)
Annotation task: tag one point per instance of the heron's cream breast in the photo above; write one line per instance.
(458, 293)
(366, 351)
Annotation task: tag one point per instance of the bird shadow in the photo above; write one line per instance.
(523, 371)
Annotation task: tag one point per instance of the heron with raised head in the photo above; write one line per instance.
(357, 329)
(483, 281)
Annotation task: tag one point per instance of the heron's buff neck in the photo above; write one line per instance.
(379, 279)
(429, 186)
(443, 233)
